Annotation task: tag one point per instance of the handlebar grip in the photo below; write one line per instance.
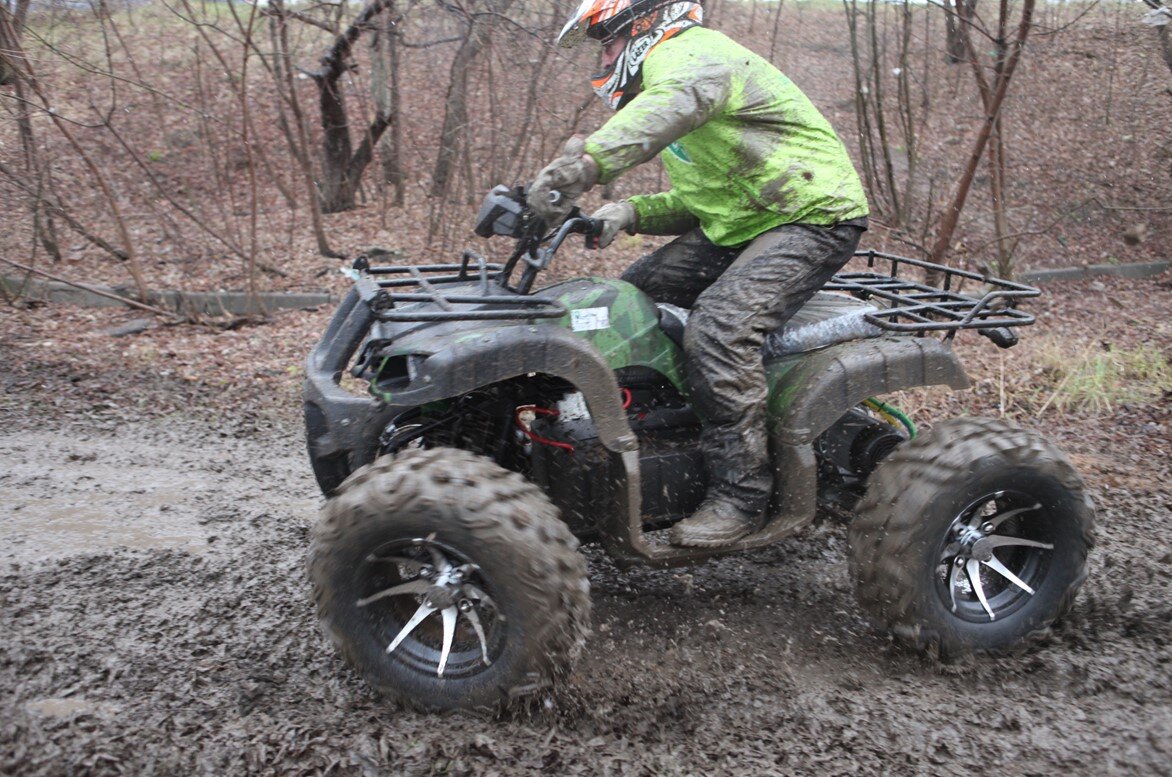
(593, 233)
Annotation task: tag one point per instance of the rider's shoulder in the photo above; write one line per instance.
(689, 52)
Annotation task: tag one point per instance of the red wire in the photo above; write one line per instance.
(628, 398)
(525, 430)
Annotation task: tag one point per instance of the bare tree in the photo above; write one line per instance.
(890, 120)
(387, 100)
(992, 90)
(343, 164)
(298, 141)
(477, 37)
(965, 10)
(13, 72)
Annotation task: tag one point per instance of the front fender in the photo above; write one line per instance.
(343, 429)
(513, 351)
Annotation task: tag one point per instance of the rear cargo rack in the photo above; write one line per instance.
(912, 306)
(426, 282)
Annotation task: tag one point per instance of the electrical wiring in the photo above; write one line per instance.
(525, 430)
(893, 416)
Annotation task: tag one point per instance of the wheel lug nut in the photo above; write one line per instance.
(464, 605)
(959, 561)
(426, 571)
(988, 528)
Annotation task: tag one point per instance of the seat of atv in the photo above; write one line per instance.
(828, 318)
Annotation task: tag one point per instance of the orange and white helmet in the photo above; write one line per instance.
(604, 20)
(646, 23)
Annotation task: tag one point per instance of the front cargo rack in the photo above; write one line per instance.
(907, 305)
(377, 288)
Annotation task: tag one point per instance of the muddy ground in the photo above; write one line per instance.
(155, 619)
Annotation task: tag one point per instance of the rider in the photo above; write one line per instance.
(764, 198)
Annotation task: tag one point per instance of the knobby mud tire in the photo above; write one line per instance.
(499, 520)
(911, 499)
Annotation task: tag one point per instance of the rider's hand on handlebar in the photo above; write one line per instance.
(615, 216)
(571, 174)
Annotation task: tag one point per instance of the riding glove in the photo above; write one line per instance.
(570, 175)
(615, 217)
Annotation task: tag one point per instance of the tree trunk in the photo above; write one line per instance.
(385, 85)
(1165, 34)
(456, 110)
(299, 144)
(992, 103)
(13, 70)
(960, 13)
(456, 104)
(342, 167)
(337, 190)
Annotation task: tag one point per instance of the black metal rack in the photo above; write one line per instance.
(905, 305)
(913, 306)
(426, 283)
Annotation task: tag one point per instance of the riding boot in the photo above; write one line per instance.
(715, 523)
(739, 485)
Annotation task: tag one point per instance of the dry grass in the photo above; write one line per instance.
(1098, 380)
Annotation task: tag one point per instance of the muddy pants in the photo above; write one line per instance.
(738, 296)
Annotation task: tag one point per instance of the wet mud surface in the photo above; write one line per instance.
(157, 620)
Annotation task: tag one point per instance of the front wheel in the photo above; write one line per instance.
(448, 581)
(972, 538)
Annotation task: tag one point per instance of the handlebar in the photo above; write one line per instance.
(575, 224)
(506, 211)
(578, 223)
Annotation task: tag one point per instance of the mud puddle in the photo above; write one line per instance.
(69, 495)
(144, 640)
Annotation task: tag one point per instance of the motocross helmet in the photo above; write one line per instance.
(646, 23)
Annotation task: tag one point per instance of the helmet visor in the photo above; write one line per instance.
(597, 19)
(574, 30)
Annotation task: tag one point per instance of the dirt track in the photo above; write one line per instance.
(170, 632)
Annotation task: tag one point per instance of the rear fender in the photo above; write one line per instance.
(809, 392)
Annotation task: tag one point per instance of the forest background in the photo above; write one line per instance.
(155, 498)
(188, 145)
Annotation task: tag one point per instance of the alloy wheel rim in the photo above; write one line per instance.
(995, 556)
(431, 608)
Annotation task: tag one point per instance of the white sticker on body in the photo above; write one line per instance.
(589, 319)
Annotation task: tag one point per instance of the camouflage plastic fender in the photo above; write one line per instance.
(343, 429)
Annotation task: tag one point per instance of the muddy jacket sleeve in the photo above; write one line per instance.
(662, 214)
(665, 111)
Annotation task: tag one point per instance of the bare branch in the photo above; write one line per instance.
(93, 290)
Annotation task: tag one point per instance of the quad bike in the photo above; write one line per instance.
(495, 426)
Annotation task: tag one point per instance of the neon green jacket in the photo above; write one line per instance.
(745, 149)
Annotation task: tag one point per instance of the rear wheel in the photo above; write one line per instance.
(972, 538)
(448, 581)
